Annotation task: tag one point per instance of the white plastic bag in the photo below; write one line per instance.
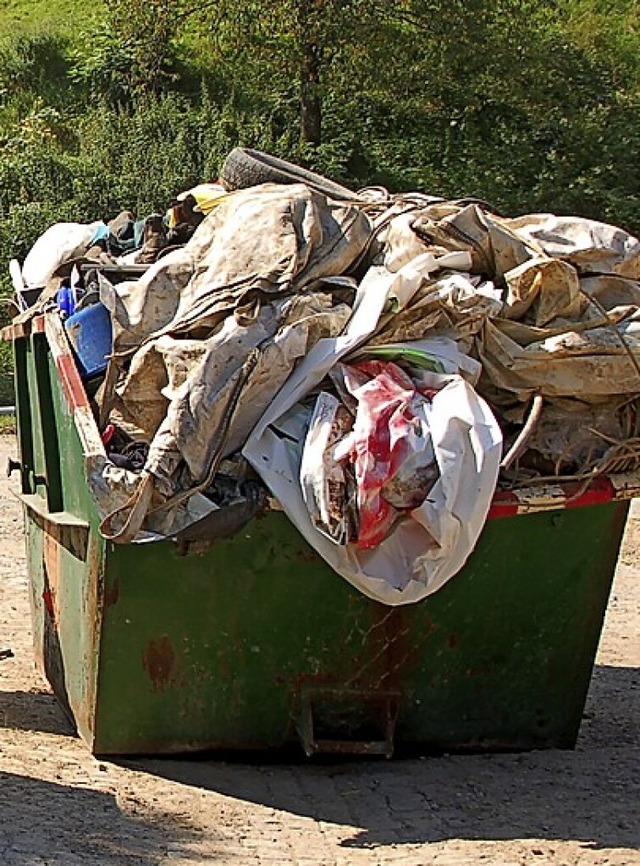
(60, 243)
(427, 548)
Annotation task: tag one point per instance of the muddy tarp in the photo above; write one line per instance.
(215, 328)
(366, 362)
(257, 244)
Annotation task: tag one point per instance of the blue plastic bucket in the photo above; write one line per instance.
(90, 335)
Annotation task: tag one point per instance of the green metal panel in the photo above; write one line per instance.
(64, 549)
(256, 643)
(516, 633)
(26, 426)
(220, 650)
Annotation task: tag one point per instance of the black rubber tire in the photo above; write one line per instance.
(244, 167)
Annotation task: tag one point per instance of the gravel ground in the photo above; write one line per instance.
(61, 807)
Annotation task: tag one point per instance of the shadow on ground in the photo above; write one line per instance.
(33, 711)
(582, 795)
(613, 708)
(45, 822)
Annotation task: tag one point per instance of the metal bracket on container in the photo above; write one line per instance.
(13, 466)
(68, 530)
(347, 721)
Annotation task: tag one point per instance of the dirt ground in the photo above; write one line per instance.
(61, 807)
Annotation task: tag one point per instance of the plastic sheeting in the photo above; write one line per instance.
(431, 544)
(286, 310)
(60, 243)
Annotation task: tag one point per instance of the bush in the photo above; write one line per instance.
(520, 103)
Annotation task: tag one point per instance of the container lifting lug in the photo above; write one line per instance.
(12, 466)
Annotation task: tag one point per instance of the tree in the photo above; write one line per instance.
(132, 52)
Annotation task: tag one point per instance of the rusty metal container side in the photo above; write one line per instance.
(64, 549)
(256, 643)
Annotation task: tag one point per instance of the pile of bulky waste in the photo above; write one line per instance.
(374, 365)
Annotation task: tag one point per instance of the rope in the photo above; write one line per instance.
(523, 437)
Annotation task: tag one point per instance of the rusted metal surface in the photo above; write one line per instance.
(52, 564)
(22, 329)
(66, 529)
(569, 494)
(160, 663)
(94, 599)
(112, 592)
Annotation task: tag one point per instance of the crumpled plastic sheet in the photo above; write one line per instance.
(546, 306)
(429, 546)
(60, 243)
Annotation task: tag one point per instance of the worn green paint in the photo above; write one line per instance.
(66, 644)
(153, 651)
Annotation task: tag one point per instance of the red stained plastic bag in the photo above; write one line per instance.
(390, 441)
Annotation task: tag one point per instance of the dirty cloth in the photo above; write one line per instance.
(564, 325)
(217, 398)
(566, 317)
(216, 328)
(254, 245)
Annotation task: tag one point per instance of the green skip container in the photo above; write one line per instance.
(255, 643)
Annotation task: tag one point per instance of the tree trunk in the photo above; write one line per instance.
(310, 64)
(310, 102)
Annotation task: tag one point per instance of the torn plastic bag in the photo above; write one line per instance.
(60, 243)
(544, 288)
(453, 305)
(430, 545)
(327, 486)
(389, 447)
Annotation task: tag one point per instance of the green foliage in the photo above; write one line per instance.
(131, 53)
(531, 105)
(60, 17)
(33, 69)
(7, 393)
